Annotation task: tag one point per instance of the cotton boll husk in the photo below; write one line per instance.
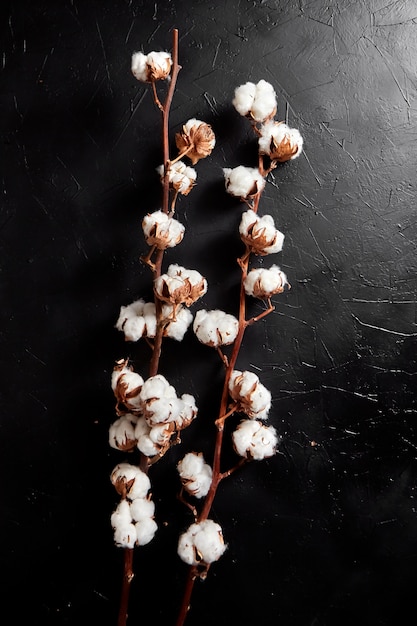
(122, 433)
(145, 530)
(243, 181)
(142, 508)
(130, 481)
(253, 440)
(244, 97)
(125, 536)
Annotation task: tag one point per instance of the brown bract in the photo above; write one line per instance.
(184, 293)
(158, 71)
(198, 141)
(256, 239)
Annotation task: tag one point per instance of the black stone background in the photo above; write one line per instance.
(325, 532)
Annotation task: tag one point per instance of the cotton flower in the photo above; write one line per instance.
(149, 67)
(195, 474)
(256, 101)
(162, 231)
(202, 542)
(129, 481)
(215, 328)
(251, 396)
(122, 433)
(263, 283)
(243, 182)
(181, 177)
(126, 385)
(197, 138)
(280, 142)
(254, 440)
(259, 233)
(180, 286)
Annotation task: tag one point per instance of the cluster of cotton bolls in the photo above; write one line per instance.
(138, 319)
(202, 543)
(133, 519)
(150, 412)
(252, 439)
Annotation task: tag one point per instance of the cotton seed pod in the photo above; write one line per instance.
(162, 231)
(126, 385)
(280, 142)
(195, 474)
(180, 286)
(263, 283)
(256, 101)
(259, 233)
(253, 440)
(251, 396)
(215, 328)
(181, 177)
(202, 543)
(243, 182)
(122, 433)
(150, 67)
(137, 320)
(129, 481)
(197, 138)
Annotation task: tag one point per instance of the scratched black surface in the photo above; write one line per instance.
(326, 531)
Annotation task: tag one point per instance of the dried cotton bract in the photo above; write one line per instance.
(251, 396)
(162, 231)
(256, 101)
(196, 139)
(280, 142)
(181, 177)
(259, 233)
(195, 474)
(202, 542)
(243, 182)
(150, 67)
(215, 328)
(253, 440)
(263, 283)
(180, 286)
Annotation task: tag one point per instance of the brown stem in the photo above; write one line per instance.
(188, 590)
(157, 269)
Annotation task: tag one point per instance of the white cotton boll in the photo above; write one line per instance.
(121, 516)
(130, 481)
(141, 427)
(264, 283)
(160, 434)
(142, 508)
(260, 234)
(147, 446)
(145, 530)
(162, 410)
(188, 411)
(215, 328)
(122, 433)
(134, 328)
(201, 542)
(280, 142)
(244, 97)
(253, 440)
(265, 102)
(191, 465)
(157, 387)
(181, 177)
(139, 66)
(243, 181)
(149, 316)
(129, 312)
(196, 474)
(125, 536)
(253, 398)
(161, 230)
(177, 328)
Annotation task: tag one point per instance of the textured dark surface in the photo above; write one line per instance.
(325, 532)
